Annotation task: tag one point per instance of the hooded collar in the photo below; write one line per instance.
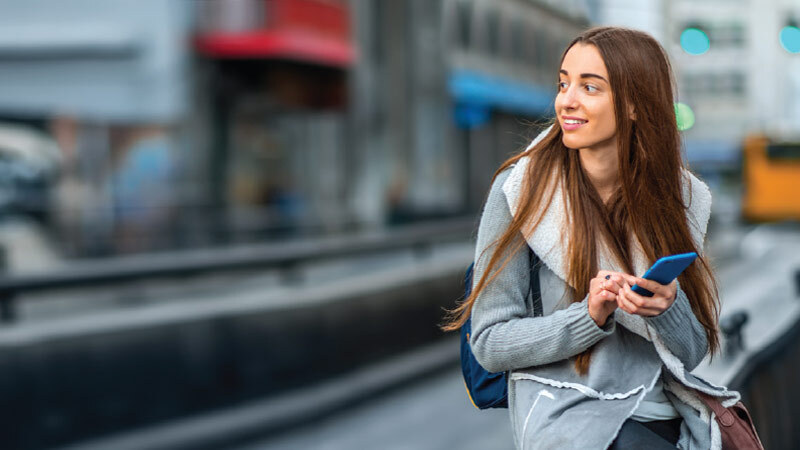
(550, 240)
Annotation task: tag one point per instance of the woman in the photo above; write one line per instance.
(599, 197)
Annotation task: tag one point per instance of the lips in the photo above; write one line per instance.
(572, 123)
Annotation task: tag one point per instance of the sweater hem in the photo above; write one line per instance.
(583, 389)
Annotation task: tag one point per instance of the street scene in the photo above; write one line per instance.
(436, 412)
(239, 224)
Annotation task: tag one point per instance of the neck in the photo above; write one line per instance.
(601, 165)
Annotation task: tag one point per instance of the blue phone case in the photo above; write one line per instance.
(665, 270)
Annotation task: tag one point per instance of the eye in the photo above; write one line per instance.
(562, 85)
(590, 88)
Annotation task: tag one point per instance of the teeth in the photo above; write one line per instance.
(574, 121)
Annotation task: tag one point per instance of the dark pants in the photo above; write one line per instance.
(650, 435)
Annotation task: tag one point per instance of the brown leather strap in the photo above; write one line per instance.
(737, 429)
(724, 416)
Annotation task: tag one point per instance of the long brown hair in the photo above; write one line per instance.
(648, 154)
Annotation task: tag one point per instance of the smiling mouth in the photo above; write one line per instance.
(573, 124)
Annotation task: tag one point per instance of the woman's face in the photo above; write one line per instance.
(584, 104)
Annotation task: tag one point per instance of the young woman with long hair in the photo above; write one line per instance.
(599, 196)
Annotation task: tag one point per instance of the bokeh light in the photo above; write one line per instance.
(694, 41)
(790, 39)
(684, 116)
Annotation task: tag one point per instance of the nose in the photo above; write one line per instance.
(569, 99)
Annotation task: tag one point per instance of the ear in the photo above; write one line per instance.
(631, 113)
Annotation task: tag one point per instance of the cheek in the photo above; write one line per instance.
(608, 124)
(606, 121)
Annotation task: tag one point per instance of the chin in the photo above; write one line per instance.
(571, 142)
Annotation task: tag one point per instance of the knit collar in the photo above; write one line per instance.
(550, 240)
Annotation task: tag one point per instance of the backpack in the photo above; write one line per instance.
(490, 389)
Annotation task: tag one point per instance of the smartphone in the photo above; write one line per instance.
(665, 270)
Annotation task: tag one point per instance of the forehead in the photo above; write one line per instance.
(584, 58)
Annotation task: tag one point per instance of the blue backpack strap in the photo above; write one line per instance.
(535, 287)
(490, 389)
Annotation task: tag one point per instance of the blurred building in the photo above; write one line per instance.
(185, 123)
(384, 112)
(445, 91)
(646, 15)
(744, 82)
(108, 81)
(272, 100)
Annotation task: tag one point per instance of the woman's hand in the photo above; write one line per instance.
(603, 291)
(633, 303)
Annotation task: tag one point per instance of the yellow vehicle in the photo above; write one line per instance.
(771, 177)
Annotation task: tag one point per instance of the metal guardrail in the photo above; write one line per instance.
(732, 326)
(767, 375)
(286, 256)
(768, 384)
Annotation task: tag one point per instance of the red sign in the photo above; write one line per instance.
(316, 31)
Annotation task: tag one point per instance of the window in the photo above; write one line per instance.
(493, 31)
(728, 35)
(517, 39)
(719, 35)
(725, 84)
(463, 24)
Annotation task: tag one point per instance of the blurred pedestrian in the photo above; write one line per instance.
(599, 196)
(144, 182)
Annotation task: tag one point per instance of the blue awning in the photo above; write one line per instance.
(490, 91)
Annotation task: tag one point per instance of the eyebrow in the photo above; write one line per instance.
(585, 75)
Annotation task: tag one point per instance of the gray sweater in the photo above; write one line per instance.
(633, 358)
(505, 337)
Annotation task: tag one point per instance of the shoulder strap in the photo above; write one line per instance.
(535, 288)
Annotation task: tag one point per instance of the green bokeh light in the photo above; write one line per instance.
(684, 116)
(790, 39)
(694, 41)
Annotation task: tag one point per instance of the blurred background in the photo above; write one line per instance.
(237, 223)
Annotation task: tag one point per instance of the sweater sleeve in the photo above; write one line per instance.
(681, 332)
(504, 337)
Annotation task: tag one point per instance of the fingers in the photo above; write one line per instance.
(597, 290)
(607, 296)
(614, 283)
(603, 273)
(601, 289)
(626, 305)
(611, 281)
(633, 303)
(617, 286)
(652, 286)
